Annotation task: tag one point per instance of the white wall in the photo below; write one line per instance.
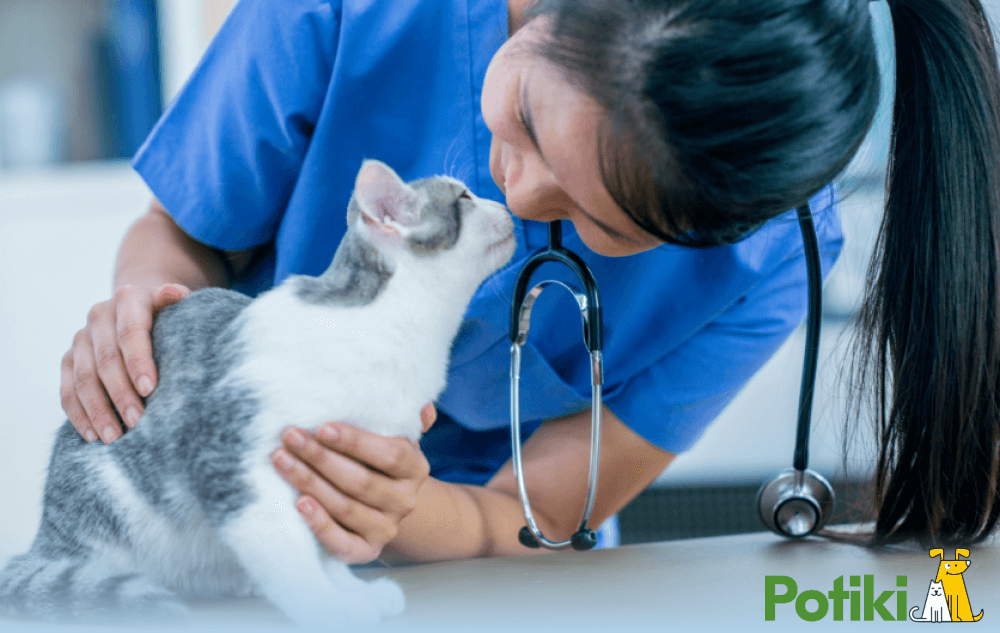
(59, 232)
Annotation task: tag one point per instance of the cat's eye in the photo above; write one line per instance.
(466, 194)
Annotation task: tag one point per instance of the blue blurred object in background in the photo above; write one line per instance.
(128, 75)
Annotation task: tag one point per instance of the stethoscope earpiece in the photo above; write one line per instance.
(795, 503)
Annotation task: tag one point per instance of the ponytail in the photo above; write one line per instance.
(928, 338)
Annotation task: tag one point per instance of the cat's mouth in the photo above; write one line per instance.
(495, 245)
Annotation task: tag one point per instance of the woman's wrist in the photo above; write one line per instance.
(445, 524)
(455, 521)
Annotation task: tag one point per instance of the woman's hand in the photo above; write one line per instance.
(356, 486)
(110, 366)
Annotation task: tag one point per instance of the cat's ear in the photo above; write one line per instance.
(384, 200)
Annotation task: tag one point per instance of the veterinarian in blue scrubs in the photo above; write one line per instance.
(257, 156)
(253, 164)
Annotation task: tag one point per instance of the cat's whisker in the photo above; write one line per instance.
(449, 165)
(494, 284)
(451, 161)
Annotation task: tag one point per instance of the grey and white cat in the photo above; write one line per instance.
(188, 503)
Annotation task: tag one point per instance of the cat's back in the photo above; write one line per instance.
(198, 332)
(192, 416)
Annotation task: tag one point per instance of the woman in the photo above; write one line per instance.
(653, 127)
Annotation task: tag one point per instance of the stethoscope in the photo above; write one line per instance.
(794, 503)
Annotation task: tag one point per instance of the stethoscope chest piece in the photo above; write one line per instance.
(795, 503)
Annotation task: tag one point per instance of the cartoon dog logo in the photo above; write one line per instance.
(947, 599)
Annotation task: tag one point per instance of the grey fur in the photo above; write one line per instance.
(445, 217)
(357, 275)
(189, 437)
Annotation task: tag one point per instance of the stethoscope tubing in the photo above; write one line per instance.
(814, 277)
(588, 301)
(797, 485)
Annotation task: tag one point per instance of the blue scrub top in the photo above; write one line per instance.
(262, 147)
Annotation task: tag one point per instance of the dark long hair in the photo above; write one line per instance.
(725, 113)
(721, 113)
(929, 340)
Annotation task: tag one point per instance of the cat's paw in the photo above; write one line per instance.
(387, 596)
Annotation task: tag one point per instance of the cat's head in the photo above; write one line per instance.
(435, 224)
(936, 588)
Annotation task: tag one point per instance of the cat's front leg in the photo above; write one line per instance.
(384, 592)
(280, 553)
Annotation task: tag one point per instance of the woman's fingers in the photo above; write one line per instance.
(134, 322)
(111, 365)
(396, 457)
(371, 527)
(110, 369)
(90, 391)
(428, 415)
(363, 483)
(354, 480)
(70, 403)
(342, 544)
(135, 311)
(168, 294)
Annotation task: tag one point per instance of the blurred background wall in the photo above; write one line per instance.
(82, 82)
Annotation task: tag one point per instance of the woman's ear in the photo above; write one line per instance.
(384, 199)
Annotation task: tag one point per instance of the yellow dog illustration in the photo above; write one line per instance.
(950, 575)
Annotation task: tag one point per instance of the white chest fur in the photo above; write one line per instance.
(374, 366)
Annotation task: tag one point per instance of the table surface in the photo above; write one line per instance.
(708, 582)
(695, 584)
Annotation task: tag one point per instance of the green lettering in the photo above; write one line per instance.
(838, 595)
(872, 605)
(821, 608)
(900, 599)
(771, 598)
(855, 599)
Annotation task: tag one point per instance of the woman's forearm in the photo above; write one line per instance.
(458, 521)
(155, 251)
(452, 521)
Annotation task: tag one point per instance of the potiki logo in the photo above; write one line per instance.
(947, 599)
